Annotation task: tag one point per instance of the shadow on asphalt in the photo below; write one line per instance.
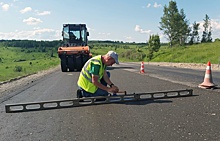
(112, 68)
(145, 102)
(216, 87)
(150, 101)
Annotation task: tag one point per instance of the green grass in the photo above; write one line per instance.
(199, 53)
(16, 62)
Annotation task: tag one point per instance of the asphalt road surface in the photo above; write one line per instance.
(195, 118)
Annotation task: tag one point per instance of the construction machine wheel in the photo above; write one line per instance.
(85, 58)
(63, 65)
(70, 63)
(81, 60)
(79, 63)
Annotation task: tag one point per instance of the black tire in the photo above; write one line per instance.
(70, 63)
(79, 63)
(85, 59)
(63, 65)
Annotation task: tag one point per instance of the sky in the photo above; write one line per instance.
(115, 20)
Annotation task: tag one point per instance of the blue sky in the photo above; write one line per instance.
(116, 20)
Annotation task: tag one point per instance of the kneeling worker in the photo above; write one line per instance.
(94, 78)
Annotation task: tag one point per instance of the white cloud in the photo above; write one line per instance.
(215, 24)
(163, 38)
(101, 36)
(32, 21)
(38, 34)
(139, 29)
(90, 29)
(157, 5)
(5, 7)
(26, 9)
(39, 31)
(43, 13)
(128, 39)
(106, 34)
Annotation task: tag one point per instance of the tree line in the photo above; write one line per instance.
(58, 43)
(30, 43)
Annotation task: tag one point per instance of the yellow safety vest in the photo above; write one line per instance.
(85, 77)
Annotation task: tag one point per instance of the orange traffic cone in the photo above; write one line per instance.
(142, 67)
(207, 83)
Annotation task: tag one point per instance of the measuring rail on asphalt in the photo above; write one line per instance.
(67, 103)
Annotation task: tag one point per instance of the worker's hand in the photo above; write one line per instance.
(113, 89)
(116, 88)
(113, 86)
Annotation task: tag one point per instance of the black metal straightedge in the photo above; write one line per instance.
(57, 104)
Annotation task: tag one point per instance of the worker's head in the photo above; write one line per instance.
(110, 58)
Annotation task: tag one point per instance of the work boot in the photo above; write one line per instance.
(79, 93)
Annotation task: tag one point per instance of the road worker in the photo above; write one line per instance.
(94, 77)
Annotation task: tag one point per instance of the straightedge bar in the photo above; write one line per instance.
(57, 104)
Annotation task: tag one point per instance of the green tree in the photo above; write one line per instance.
(174, 24)
(51, 53)
(194, 35)
(184, 29)
(206, 35)
(153, 45)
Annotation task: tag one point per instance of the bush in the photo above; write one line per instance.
(18, 68)
(217, 40)
(20, 60)
(133, 55)
(28, 51)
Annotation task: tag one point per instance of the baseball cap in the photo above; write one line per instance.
(114, 55)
